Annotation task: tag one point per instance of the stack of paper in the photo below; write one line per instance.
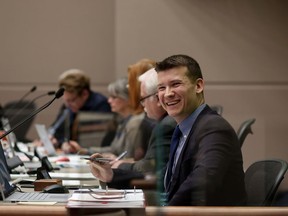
(99, 198)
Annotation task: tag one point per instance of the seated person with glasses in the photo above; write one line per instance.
(77, 97)
(127, 133)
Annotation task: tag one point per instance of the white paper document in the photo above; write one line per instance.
(72, 176)
(44, 136)
(107, 198)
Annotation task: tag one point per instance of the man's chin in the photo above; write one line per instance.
(172, 113)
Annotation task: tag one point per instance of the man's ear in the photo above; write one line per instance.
(199, 85)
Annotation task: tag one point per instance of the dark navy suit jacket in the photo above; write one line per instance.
(210, 167)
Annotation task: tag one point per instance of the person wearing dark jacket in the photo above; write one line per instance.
(205, 165)
(77, 97)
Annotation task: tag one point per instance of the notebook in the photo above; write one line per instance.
(9, 192)
(44, 136)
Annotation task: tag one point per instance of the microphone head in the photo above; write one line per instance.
(33, 88)
(51, 93)
(59, 93)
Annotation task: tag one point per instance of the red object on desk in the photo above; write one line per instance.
(63, 159)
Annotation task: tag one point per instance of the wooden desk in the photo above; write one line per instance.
(215, 211)
(149, 184)
(55, 210)
(10, 209)
(60, 210)
(23, 210)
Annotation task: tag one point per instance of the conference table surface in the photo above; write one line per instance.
(61, 210)
(13, 209)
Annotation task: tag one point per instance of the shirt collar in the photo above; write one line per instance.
(186, 125)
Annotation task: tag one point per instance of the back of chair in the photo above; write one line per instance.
(95, 128)
(17, 111)
(244, 130)
(262, 180)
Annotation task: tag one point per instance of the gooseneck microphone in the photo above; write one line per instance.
(42, 95)
(31, 90)
(58, 94)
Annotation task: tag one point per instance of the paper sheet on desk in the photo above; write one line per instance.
(72, 158)
(72, 164)
(36, 203)
(130, 198)
(78, 176)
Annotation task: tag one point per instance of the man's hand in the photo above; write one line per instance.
(117, 163)
(70, 147)
(101, 170)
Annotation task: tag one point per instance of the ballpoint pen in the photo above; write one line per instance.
(121, 156)
(106, 160)
(103, 160)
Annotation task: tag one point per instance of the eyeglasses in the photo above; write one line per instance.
(142, 100)
(72, 99)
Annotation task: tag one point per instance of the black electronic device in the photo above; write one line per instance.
(14, 162)
(42, 173)
(26, 183)
(55, 188)
(46, 164)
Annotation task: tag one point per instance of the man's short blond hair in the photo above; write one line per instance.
(74, 81)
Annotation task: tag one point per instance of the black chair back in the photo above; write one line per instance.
(244, 130)
(262, 180)
(16, 111)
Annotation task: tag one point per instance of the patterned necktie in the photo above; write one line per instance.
(174, 144)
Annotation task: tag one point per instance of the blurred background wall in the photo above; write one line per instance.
(241, 45)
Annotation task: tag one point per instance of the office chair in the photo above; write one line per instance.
(217, 108)
(244, 130)
(16, 111)
(95, 128)
(262, 180)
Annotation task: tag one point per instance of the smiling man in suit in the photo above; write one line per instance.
(206, 166)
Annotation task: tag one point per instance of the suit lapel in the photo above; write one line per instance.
(183, 155)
